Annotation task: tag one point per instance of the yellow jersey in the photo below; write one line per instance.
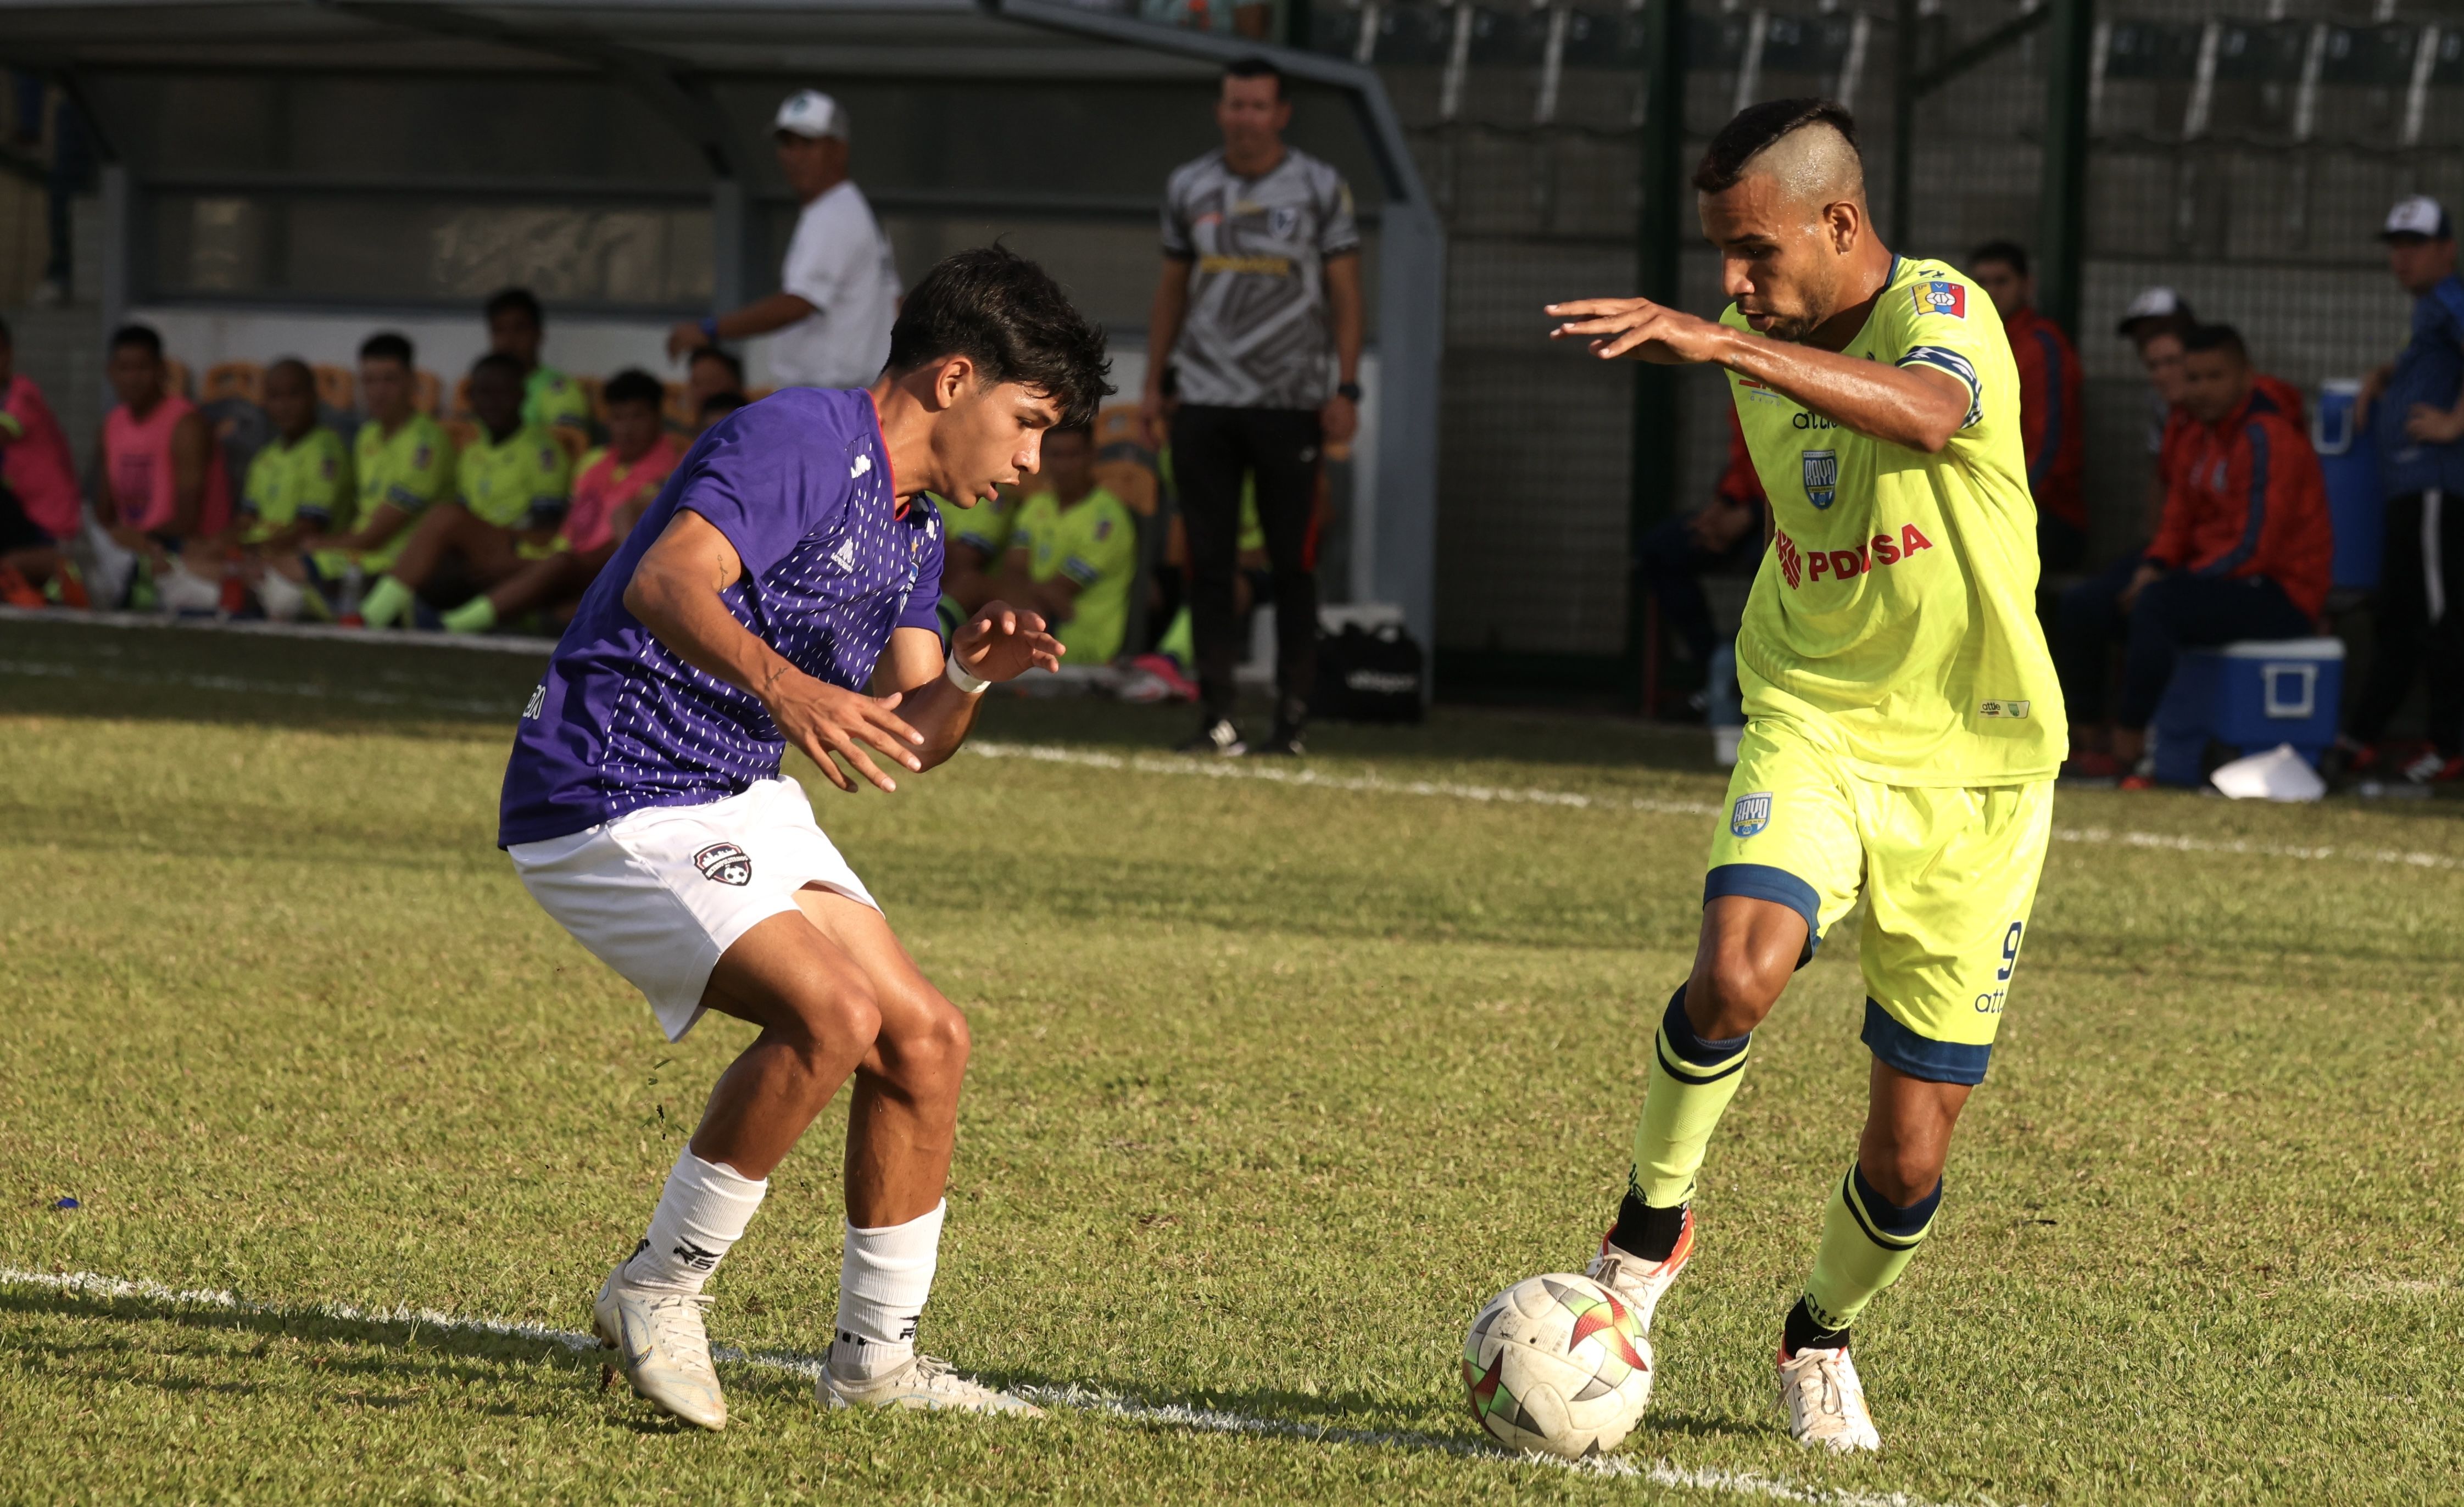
(1894, 617)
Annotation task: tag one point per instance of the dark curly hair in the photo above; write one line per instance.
(1007, 315)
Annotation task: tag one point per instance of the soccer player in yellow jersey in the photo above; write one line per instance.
(1904, 723)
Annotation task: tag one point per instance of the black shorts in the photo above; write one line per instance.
(17, 531)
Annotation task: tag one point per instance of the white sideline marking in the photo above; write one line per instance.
(1304, 777)
(484, 642)
(1229, 768)
(1179, 1415)
(308, 689)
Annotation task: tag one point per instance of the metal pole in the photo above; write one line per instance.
(1666, 207)
(1903, 124)
(2061, 231)
(728, 251)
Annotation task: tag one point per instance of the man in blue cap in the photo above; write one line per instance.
(2415, 409)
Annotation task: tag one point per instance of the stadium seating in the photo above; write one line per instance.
(338, 389)
(427, 394)
(241, 380)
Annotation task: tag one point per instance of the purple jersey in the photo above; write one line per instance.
(800, 483)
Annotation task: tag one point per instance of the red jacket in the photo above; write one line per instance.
(2052, 422)
(2180, 427)
(2250, 500)
(1740, 484)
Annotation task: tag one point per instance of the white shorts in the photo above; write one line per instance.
(659, 893)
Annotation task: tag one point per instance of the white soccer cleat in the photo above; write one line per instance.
(1638, 1283)
(1825, 1403)
(665, 1349)
(924, 1384)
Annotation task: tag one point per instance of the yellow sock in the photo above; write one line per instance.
(1691, 1083)
(1867, 1241)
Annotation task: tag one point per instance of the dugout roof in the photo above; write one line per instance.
(405, 153)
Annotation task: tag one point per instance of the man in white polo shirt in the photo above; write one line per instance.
(839, 289)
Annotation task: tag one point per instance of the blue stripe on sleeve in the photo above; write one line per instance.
(1945, 360)
(2256, 521)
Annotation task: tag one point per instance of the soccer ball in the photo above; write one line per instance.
(1557, 1363)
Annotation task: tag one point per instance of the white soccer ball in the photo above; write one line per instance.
(1557, 1363)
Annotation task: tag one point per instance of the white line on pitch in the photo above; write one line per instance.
(1303, 777)
(1179, 1415)
(1507, 794)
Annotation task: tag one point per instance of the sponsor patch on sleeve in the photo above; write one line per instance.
(1935, 295)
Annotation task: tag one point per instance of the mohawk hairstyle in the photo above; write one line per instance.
(1757, 127)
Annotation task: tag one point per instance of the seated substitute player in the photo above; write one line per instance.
(1903, 721)
(516, 324)
(1074, 550)
(511, 487)
(2243, 552)
(709, 372)
(296, 487)
(788, 567)
(611, 490)
(401, 462)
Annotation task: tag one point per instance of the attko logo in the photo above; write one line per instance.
(2004, 709)
(724, 863)
(1750, 813)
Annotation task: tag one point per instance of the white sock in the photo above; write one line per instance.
(884, 1277)
(279, 596)
(702, 1213)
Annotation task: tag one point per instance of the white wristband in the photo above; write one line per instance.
(969, 683)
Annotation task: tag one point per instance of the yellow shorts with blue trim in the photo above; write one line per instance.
(1948, 874)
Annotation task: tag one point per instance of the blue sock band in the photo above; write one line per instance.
(1691, 1049)
(1890, 1218)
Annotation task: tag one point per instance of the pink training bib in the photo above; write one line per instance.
(38, 465)
(137, 464)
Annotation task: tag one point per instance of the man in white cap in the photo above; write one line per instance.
(838, 289)
(2415, 409)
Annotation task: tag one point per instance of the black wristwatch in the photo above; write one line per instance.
(1347, 390)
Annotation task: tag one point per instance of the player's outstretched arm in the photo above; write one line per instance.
(999, 642)
(1916, 406)
(674, 592)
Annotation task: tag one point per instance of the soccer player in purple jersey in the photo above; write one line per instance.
(782, 590)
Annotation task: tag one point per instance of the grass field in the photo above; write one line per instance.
(1274, 1083)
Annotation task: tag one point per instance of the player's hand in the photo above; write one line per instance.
(685, 336)
(1339, 418)
(1002, 642)
(2431, 425)
(822, 720)
(2139, 581)
(1640, 328)
(1151, 418)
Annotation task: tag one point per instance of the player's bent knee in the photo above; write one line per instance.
(1902, 1175)
(925, 1051)
(1730, 993)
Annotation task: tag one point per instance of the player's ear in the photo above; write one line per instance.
(1846, 225)
(953, 382)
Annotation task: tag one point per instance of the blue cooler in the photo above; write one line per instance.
(2352, 463)
(2250, 696)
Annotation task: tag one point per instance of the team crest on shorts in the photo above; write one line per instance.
(1821, 477)
(1750, 813)
(724, 863)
